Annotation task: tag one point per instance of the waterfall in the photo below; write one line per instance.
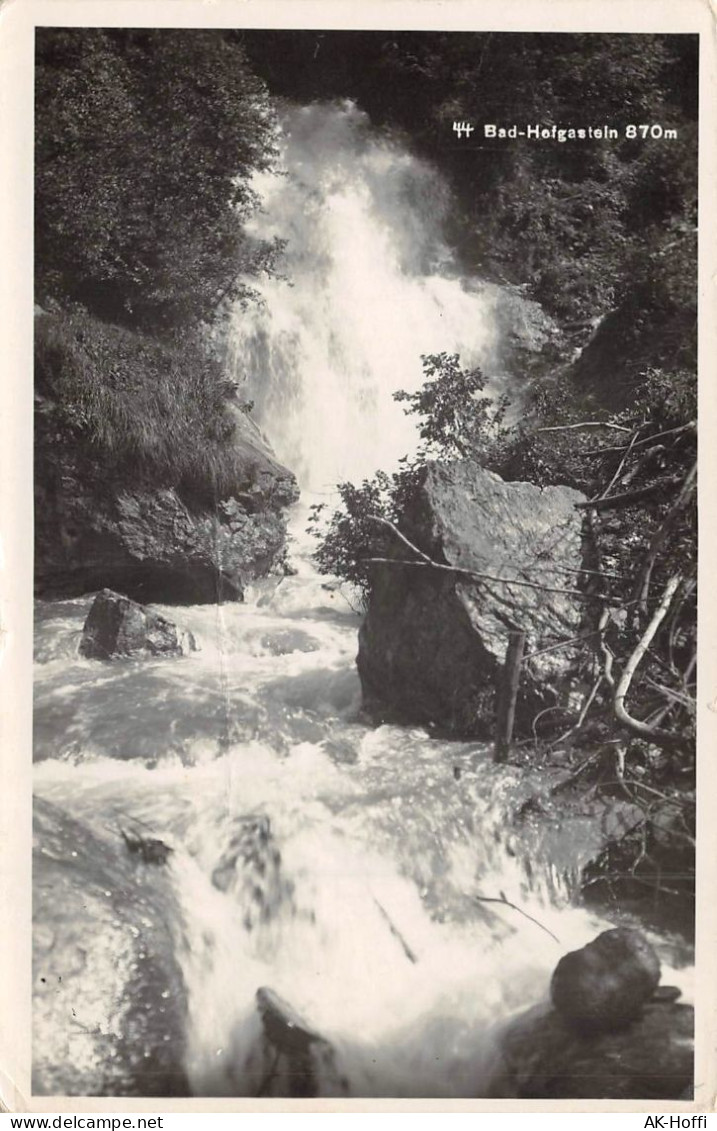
(355, 910)
(369, 286)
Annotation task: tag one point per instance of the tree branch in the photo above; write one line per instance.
(507, 903)
(584, 424)
(615, 502)
(663, 738)
(643, 582)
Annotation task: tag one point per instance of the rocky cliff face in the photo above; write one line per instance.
(93, 531)
(433, 642)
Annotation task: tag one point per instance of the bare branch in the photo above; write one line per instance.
(507, 903)
(616, 502)
(664, 738)
(622, 463)
(585, 424)
(643, 583)
(691, 426)
(471, 574)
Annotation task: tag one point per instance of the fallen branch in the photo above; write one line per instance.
(410, 955)
(585, 424)
(691, 426)
(472, 575)
(662, 738)
(620, 466)
(507, 903)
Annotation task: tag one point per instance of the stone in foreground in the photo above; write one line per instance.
(543, 1057)
(118, 626)
(606, 984)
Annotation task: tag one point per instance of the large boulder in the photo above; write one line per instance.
(433, 642)
(117, 626)
(542, 1057)
(611, 1031)
(109, 1002)
(148, 542)
(605, 984)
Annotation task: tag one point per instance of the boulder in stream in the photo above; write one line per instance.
(606, 984)
(109, 1002)
(118, 626)
(543, 1057)
(611, 1033)
(433, 642)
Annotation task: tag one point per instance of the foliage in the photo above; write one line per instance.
(143, 410)
(146, 142)
(454, 418)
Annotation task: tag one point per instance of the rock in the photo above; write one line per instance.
(147, 542)
(432, 644)
(117, 626)
(147, 534)
(109, 1012)
(543, 1057)
(304, 1059)
(288, 640)
(605, 984)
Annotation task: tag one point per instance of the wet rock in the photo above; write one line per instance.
(117, 626)
(605, 984)
(542, 1056)
(288, 640)
(109, 1010)
(148, 849)
(302, 1061)
(433, 643)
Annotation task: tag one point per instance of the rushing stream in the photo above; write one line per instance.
(368, 923)
(368, 847)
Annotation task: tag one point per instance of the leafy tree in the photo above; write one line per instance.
(454, 418)
(145, 148)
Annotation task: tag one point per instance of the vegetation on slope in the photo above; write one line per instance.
(146, 143)
(145, 410)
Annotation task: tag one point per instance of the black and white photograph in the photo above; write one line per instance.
(365, 563)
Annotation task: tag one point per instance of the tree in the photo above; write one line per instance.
(146, 144)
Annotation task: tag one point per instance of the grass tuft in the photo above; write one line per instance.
(145, 410)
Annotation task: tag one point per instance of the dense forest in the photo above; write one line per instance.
(142, 249)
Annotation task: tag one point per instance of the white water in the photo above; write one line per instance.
(373, 826)
(368, 925)
(373, 286)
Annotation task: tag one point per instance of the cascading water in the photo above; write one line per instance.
(320, 865)
(371, 287)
